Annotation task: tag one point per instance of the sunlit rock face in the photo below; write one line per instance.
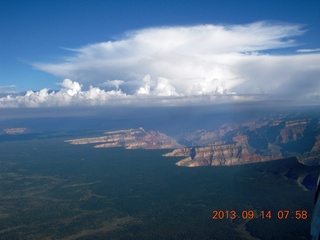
(263, 139)
(221, 154)
(260, 140)
(130, 139)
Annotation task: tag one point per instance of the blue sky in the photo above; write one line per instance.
(35, 33)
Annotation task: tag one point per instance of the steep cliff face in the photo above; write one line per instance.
(293, 130)
(215, 137)
(220, 155)
(259, 140)
(316, 146)
(130, 139)
(312, 157)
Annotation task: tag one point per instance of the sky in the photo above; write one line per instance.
(95, 52)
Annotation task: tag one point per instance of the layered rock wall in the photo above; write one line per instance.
(130, 139)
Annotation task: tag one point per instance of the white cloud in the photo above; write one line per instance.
(145, 89)
(160, 87)
(69, 94)
(308, 50)
(112, 83)
(184, 55)
(176, 65)
(7, 86)
(291, 76)
(5, 90)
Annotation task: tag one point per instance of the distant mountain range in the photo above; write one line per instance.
(263, 139)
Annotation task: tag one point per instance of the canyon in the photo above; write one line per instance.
(262, 139)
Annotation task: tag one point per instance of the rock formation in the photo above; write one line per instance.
(263, 139)
(130, 139)
(221, 155)
(251, 142)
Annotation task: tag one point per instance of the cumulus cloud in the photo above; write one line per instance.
(160, 87)
(71, 93)
(176, 64)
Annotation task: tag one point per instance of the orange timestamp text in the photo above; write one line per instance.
(264, 214)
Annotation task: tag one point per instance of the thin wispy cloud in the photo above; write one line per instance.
(176, 65)
(7, 87)
(308, 50)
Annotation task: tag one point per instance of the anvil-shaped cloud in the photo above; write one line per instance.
(171, 64)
